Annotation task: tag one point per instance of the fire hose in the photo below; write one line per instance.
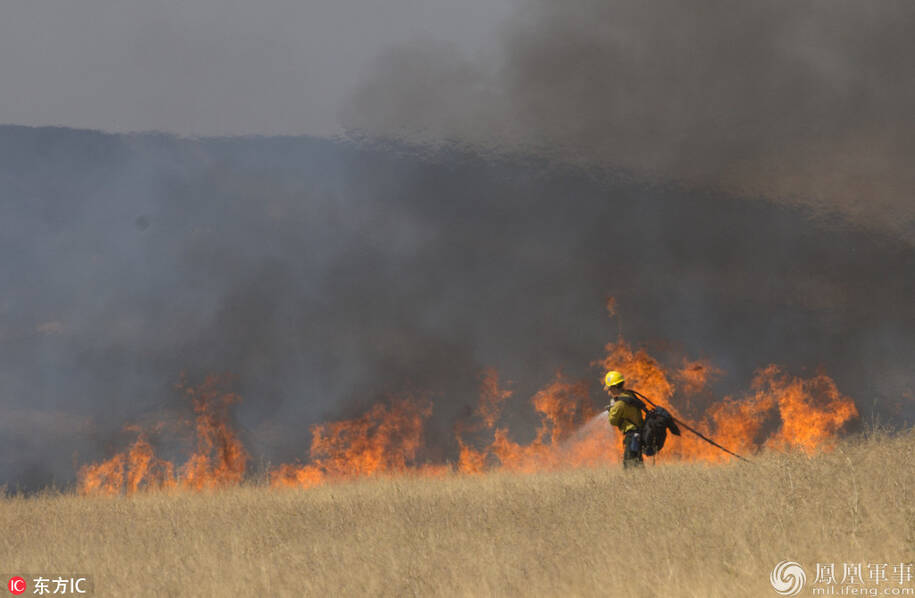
(691, 429)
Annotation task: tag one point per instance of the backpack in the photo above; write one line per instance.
(654, 431)
(632, 400)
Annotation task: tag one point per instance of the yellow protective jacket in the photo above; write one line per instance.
(624, 415)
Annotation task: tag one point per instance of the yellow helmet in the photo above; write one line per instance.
(613, 378)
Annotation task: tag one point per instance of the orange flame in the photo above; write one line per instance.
(492, 397)
(610, 305)
(780, 412)
(144, 469)
(640, 369)
(695, 375)
(470, 460)
(812, 411)
(219, 458)
(564, 407)
(106, 477)
(383, 440)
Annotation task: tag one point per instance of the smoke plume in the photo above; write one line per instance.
(805, 102)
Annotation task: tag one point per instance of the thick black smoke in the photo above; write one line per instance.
(808, 102)
(327, 275)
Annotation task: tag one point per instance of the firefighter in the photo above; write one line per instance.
(625, 412)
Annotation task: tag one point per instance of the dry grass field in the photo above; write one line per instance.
(673, 530)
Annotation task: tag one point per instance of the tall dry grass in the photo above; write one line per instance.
(676, 530)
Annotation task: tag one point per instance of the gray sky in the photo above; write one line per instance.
(211, 67)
